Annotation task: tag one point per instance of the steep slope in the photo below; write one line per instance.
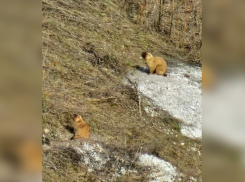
(88, 47)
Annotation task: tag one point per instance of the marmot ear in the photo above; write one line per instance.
(144, 54)
(74, 115)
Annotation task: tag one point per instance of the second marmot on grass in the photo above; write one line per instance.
(81, 129)
(155, 64)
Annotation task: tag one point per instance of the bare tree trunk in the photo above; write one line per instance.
(172, 17)
(142, 9)
(160, 16)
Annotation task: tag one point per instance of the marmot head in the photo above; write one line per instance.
(76, 118)
(146, 55)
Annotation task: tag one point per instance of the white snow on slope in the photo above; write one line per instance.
(179, 94)
(161, 171)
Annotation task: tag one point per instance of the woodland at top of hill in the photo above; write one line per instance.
(180, 22)
(171, 28)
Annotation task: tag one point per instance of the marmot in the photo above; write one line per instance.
(208, 77)
(81, 129)
(156, 64)
(30, 156)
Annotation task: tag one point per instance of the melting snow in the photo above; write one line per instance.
(179, 94)
(93, 155)
(161, 171)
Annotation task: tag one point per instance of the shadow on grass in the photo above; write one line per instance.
(145, 70)
(142, 69)
(70, 129)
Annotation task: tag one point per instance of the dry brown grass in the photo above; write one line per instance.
(88, 46)
(179, 22)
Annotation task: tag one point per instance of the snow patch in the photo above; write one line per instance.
(179, 94)
(92, 156)
(96, 158)
(161, 171)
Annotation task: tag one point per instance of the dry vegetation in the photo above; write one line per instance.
(88, 46)
(179, 22)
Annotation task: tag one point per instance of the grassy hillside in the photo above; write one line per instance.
(88, 47)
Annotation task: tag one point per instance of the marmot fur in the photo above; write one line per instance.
(81, 129)
(208, 77)
(155, 64)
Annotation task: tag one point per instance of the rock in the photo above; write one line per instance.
(46, 130)
(177, 94)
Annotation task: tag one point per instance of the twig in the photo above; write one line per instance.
(139, 101)
(135, 85)
(101, 100)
